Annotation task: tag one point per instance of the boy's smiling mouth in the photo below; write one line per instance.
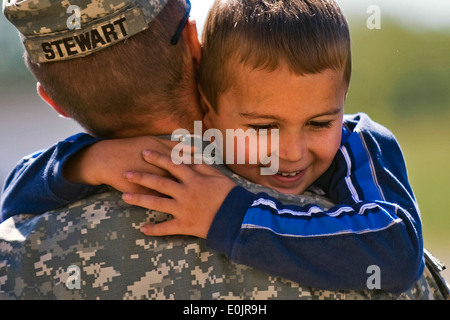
(287, 181)
(289, 174)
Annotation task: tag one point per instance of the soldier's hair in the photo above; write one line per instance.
(308, 35)
(140, 79)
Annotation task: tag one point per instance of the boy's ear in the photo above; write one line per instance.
(191, 35)
(207, 109)
(44, 96)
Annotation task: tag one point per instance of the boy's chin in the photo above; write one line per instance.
(294, 190)
(289, 191)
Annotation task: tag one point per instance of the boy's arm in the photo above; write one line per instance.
(376, 223)
(75, 168)
(37, 183)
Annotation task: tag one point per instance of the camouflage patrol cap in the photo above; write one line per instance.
(56, 30)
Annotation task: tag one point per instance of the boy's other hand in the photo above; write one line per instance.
(105, 162)
(194, 194)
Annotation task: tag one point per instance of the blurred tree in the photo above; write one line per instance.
(12, 68)
(399, 73)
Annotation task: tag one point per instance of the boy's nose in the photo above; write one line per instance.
(292, 148)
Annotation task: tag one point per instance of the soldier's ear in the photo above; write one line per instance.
(44, 96)
(190, 34)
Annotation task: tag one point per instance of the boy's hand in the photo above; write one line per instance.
(195, 195)
(105, 162)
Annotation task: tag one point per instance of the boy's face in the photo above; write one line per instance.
(307, 111)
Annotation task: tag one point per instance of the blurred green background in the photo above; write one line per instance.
(401, 78)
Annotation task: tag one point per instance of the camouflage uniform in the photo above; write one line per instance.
(93, 249)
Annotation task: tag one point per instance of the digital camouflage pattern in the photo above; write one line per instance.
(93, 249)
(59, 30)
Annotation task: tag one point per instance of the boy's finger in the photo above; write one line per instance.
(151, 202)
(179, 171)
(161, 229)
(163, 185)
(206, 170)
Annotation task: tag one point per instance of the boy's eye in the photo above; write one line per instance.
(260, 128)
(320, 124)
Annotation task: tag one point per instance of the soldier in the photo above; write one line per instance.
(93, 249)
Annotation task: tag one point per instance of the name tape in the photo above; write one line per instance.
(78, 43)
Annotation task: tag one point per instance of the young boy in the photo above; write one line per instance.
(359, 165)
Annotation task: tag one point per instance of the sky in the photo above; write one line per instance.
(430, 14)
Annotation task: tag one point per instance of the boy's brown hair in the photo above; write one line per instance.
(308, 35)
(129, 83)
